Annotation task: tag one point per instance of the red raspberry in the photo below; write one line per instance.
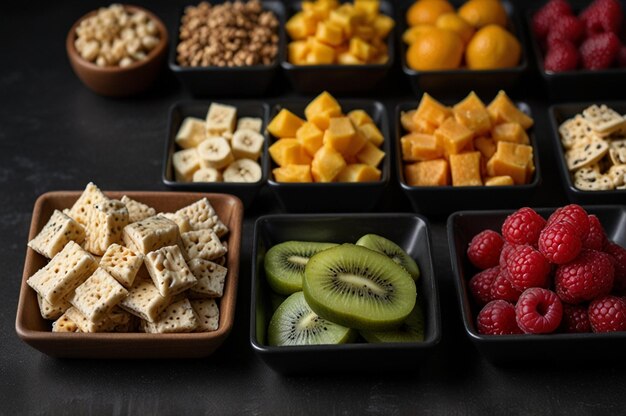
(562, 56)
(523, 227)
(497, 318)
(575, 319)
(621, 57)
(527, 268)
(600, 51)
(590, 275)
(575, 215)
(547, 15)
(484, 249)
(618, 258)
(602, 16)
(538, 311)
(504, 254)
(560, 243)
(502, 289)
(480, 285)
(567, 28)
(596, 239)
(608, 314)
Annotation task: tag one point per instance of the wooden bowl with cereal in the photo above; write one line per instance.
(117, 51)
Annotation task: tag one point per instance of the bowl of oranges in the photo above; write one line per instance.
(471, 45)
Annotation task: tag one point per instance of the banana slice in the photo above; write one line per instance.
(220, 119)
(215, 153)
(185, 162)
(250, 123)
(243, 170)
(247, 144)
(191, 133)
(207, 175)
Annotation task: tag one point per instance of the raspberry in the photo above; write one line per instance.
(602, 16)
(608, 314)
(538, 311)
(567, 28)
(596, 239)
(575, 215)
(523, 227)
(527, 268)
(575, 319)
(590, 275)
(547, 15)
(484, 249)
(600, 51)
(618, 258)
(562, 56)
(502, 289)
(560, 243)
(497, 318)
(480, 285)
(504, 254)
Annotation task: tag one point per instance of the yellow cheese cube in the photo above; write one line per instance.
(512, 160)
(510, 132)
(465, 169)
(432, 111)
(502, 110)
(472, 113)
(453, 136)
(428, 173)
(418, 147)
(486, 146)
(285, 124)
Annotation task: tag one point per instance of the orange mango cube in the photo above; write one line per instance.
(370, 155)
(465, 169)
(372, 134)
(428, 173)
(285, 124)
(510, 132)
(323, 103)
(288, 152)
(329, 33)
(327, 164)
(431, 111)
(512, 160)
(472, 113)
(310, 137)
(360, 118)
(503, 110)
(498, 181)
(453, 136)
(293, 173)
(418, 147)
(359, 173)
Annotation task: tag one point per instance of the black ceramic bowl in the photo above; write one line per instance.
(449, 82)
(335, 196)
(560, 113)
(178, 112)
(245, 81)
(580, 84)
(312, 79)
(409, 231)
(462, 227)
(446, 199)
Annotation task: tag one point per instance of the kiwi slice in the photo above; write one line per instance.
(284, 264)
(359, 288)
(294, 323)
(391, 250)
(411, 330)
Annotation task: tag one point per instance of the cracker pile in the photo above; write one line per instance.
(595, 149)
(119, 266)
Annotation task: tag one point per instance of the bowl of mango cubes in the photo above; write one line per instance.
(466, 155)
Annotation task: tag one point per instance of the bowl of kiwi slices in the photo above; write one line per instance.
(331, 292)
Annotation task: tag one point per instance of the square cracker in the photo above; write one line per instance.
(178, 317)
(105, 222)
(208, 314)
(68, 269)
(169, 271)
(210, 277)
(181, 220)
(64, 324)
(98, 295)
(603, 119)
(91, 195)
(202, 216)
(85, 325)
(137, 211)
(204, 244)
(144, 301)
(151, 234)
(52, 311)
(122, 263)
(58, 231)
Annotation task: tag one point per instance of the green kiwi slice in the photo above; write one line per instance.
(285, 262)
(359, 288)
(391, 250)
(294, 323)
(411, 330)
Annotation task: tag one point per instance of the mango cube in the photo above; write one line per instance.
(346, 58)
(323, 103)
(453, 136)
(360, 117)
(342, 136)
(327, 164)
(431, 111)
(344, 17)
(383, 25)
(289, 152)
(359, 173)
(486, 146)
(499, 181)
(329, 33)
(418, 147)
(300, 26)
(285, 124)
(320, 53)
(369, 7)
(293, 173)
(472, 113)
(361, 49)
(365, 32)
(428, 173)
(298, 51)
(370, 155)
(510, 132)
(512, 160)
(502, 110)
(372, 134)
(465, 169)
(310, 137)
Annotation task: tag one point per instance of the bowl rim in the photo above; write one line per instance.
(402, 106)
(463, 297)
(29, 335)
(558, 147)
(170, 143)
(271, 350)
(152, 55)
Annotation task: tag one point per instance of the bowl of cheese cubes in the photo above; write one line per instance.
(130, 274)
(217, 147)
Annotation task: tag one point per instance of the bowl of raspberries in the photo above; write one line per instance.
(542, 284)
(580, 39)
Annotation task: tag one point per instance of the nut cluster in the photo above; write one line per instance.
(116, 37)
(227, 35)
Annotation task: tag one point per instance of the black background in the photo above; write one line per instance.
(57, 135)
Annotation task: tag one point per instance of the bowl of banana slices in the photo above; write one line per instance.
(217, 147)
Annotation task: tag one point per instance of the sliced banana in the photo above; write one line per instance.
(250, 123)
(247, 144)
(220, 119)
(215, 153)
(185, 162)
(207, 175)
(243, 170)
(191, 133)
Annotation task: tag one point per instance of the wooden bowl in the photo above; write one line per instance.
(36, 331)
(115, 81)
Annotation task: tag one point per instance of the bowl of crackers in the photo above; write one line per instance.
(130, 274)
(590, 139)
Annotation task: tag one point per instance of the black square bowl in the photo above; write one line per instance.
(558, 114)
(580, 84)
(462, 227)
(441, 200)
(449, 82)
(409, 231)
(244, 81)
(178, 112)
(312, 79)
(335, 196)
